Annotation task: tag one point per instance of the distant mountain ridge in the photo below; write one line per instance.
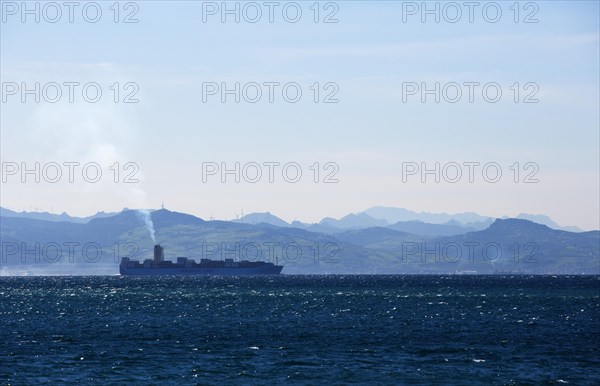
(422, 223)
(468, 219)
(52, 216)
(354, 221)
(394, 215)
(545, 220)
(524, 246)
(266, 217)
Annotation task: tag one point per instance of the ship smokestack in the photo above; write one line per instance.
(159, 253)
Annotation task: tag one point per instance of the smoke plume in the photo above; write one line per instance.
(148, 221)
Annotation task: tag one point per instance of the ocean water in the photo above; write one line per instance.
(300, 329)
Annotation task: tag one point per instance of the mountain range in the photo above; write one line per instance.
(52, 216)
(402, 219)
(355, 244)
(398, 218)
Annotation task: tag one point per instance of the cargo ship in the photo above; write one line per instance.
(184, 266)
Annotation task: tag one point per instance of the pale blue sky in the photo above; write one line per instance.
(369, 133)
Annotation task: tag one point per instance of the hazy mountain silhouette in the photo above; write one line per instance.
(369, 250)
(52, 216)
(373, 217)
(353, 221)
(394, 215)
(267, 218)
(545, 220)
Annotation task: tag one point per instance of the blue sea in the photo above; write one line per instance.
(382, 330)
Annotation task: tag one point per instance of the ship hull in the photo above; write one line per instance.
(217, 271)
(158, 266)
